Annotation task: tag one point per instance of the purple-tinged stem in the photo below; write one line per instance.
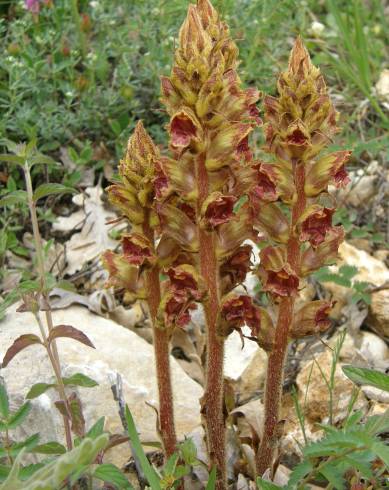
(272, 430)
(214, 383)
(162, 361)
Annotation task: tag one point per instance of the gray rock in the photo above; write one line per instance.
(118, 350)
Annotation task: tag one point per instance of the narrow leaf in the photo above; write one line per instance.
(19, 344)
(4, 403)
(211, 480)
(37, 390)
(367, 376)
(51, 189)
(79, 379)
(148, 470)
(71, 332)
(96, 429)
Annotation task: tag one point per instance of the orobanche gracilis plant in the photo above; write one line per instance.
(193, 211)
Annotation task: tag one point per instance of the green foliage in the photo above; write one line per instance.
(111, 474)
(345, 277)
(11, 420)
(367, 376)
(355, 446)
(53, 474)
(177, 466)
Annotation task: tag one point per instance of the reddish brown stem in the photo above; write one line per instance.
(162, 361)
(272, 430)
(214, 383)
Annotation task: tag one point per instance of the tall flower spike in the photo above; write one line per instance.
(300, 122)
(211, 118)
(137, 269)
(134, 195)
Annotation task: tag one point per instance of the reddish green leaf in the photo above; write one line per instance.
(71, 332)
(19, 344)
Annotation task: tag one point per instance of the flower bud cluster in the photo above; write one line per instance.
(289, 198)
(209, 170)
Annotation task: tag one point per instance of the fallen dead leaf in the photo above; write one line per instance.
(93, 238)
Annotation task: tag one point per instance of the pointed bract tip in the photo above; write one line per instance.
(207, 12)
(299, 57)
(140, 142)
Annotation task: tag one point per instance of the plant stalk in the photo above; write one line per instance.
(52, 350)
(213, 408)
(162, 361)
(272, 430)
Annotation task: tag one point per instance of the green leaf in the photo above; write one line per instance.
(28, 444)
(111, 474)
(4, 403)
(382, 451)
(188, 451)
(12, 159)
(171, 464)
(266, 485)
(37, 390)
(19, 416)
(50, 189)
(148, 470)
(15, 197)
(348, 271)
(211, 480)
(299, 473)
(41, 159)
(367, 376)
(79, 379)
(333, 476)
(29, 470)
(96, 429)
(52, 447)
(376, 424)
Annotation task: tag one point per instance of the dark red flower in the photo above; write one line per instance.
(184, 279)
(188, 210)
(265, 187)
(240, 310)
(219, 209)
(282, 282)
(182, 129)
(254, 114)
(311, 319)
(297, 137)
(234, 270)
(243, 148)
(316, 225)
(321, 316)
(341, 178)
(177, 309)
(136, 249)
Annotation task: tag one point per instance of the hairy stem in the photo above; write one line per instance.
(272, 430)
(162, 361)
(52, 348)
(214, 384)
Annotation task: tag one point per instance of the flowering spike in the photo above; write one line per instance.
(300, 122)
